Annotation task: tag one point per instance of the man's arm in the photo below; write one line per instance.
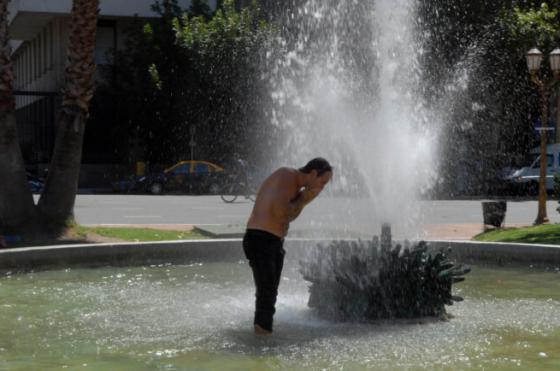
(303, 197)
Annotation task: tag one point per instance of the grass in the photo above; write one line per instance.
(137, 234)
(76, 234)
(543, 234)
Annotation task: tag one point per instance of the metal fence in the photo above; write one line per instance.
(36, 118)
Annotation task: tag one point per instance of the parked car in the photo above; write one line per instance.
(200, 177)
(526, 179)
(131, 184)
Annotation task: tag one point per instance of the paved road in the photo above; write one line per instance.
(326, 212)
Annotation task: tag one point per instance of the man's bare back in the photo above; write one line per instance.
(281, 198)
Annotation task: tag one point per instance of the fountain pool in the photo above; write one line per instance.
(198, 316)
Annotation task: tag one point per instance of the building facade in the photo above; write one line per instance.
(39, 33)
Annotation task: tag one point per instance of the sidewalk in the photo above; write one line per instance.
(452, 231)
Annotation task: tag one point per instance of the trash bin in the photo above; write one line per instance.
(494, 213)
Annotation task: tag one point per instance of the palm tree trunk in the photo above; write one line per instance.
(57, 201)
(16, 200)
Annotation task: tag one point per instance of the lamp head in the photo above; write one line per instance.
(534, 59)
(554, 58)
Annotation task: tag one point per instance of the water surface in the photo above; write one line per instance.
(198, 316)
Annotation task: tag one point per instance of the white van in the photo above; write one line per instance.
(526, 179)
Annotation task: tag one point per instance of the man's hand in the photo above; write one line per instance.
(305, 196)
(314, 192)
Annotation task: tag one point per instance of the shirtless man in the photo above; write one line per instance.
(280, 199)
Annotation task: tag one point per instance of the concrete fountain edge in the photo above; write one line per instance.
(177, 252)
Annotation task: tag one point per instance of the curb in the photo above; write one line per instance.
(181, 252)
(116, 254)
(501, 253)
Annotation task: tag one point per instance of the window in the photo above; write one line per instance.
(39, 42)
(27, 58)
(50, 49)
(200, 168)
(44, 63)
(106, 41)
(35, 59)
(183, 169)
(17, 81)
(549, 162)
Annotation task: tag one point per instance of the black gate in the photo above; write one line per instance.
(36, 114)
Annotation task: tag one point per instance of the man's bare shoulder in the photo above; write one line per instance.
(283, 173)
(284, 170)
(281, 178)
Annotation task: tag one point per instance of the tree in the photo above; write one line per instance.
(200, 7)
(16, 201)
(536, 25)
(55, 208)
(57, 200)
(189, 71)
(481, 44)
(226, 54)
(151, 80)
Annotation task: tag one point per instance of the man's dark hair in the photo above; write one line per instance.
(318, 164)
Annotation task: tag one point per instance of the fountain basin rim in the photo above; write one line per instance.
(116, 244)
(8, 251)
(38, 258)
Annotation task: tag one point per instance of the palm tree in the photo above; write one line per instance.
(16, 200)
(56, 204)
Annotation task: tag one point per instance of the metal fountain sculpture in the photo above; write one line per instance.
(379, 279)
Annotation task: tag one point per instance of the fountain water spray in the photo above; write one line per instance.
(347, 86)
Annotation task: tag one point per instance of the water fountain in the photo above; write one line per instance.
(195, 312)
(348, 87)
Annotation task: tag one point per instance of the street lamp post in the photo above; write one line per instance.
(534, 59)
(192, 142)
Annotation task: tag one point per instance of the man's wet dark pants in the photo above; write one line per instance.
(266, 256)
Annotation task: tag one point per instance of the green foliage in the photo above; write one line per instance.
(228, 34)
(155, 76)
(487, 41)
(226, 25)
(226, 52)
(533, 25)
(368, 280)
(188, 71)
